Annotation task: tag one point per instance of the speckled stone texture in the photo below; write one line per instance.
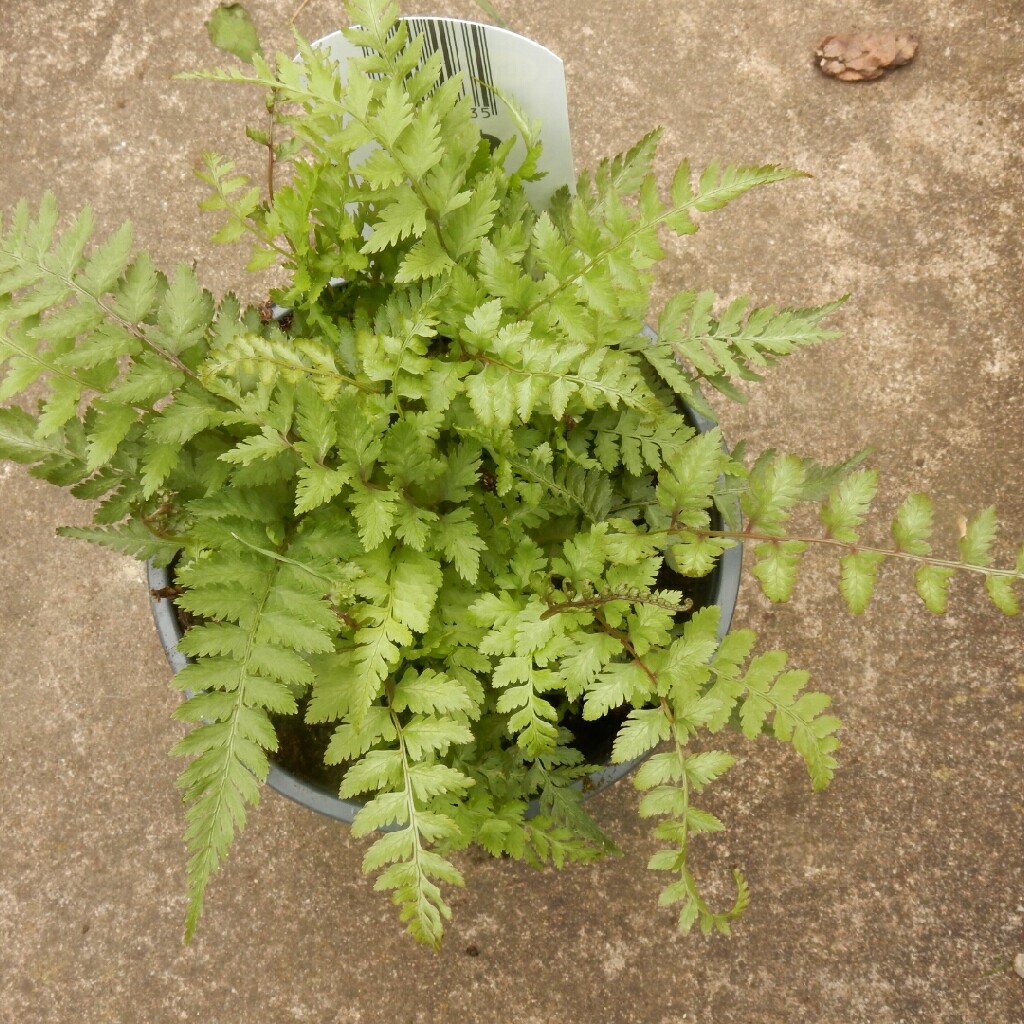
(895, 896)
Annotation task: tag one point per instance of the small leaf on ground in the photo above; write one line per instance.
(231, 29)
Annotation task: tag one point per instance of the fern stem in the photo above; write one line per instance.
(581, 604)
(272, 122)
(852, 548)
(629, 649)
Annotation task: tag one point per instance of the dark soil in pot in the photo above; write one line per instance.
(301, 746)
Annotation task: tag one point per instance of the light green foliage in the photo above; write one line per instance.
(776, 567)
(858, 573)
(264, 619)
(728, 347)
(449, 502)
(913, 525)
(231, 29)
(775, 486)
(848, 504)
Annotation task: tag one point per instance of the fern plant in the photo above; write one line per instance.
(447, 506)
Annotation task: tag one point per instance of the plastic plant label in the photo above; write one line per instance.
(509, 63)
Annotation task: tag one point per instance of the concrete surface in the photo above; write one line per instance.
(897, 895)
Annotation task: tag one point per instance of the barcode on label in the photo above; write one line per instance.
(463, 47)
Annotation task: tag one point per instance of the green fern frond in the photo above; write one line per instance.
(58, 458)
(666, 781)
(797, 717)
(249, 661)
(131, 538)
(639, 443)
(575, 488)
(740, 341)
(407, 781)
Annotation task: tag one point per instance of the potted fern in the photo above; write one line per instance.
(450, 506)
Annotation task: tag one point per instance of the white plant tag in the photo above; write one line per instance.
(514, 65)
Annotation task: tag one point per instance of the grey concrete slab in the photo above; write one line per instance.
(897, 895)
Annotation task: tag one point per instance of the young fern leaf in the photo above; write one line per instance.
(841, 517)
(774, 486)
(1001, 587)
(408, 779)
(912, 527)
(848, 505)
(718, 186)
(619, 245)
(765, 690)
(38, 274)
(667, 781)
(932, 585)
(796, 718)
(131, 538)
(979, 535)
(776, 567)
(118, 311)
(729, 347)
(400, 588)
(911, 530)
(639, 443)
(226, 194)
(524, 639)
(858, 573)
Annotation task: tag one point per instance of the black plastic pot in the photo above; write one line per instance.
(722, 588)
